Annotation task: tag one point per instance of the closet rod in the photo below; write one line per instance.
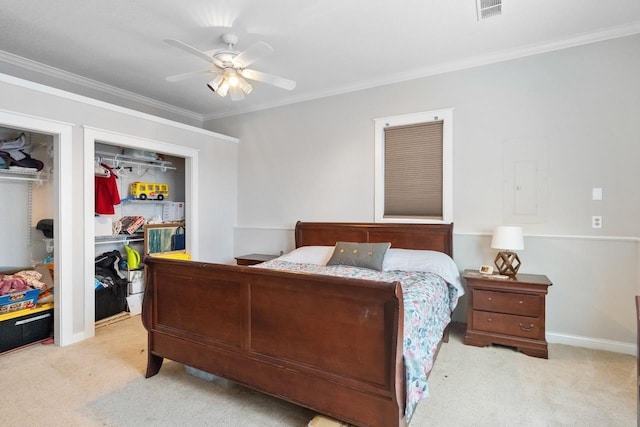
(22, 177)
(123, 241)
(132, 162)
(117, 159)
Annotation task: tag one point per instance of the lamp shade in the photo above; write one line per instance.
(507, 237)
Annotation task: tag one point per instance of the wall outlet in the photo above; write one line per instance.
(596, 221)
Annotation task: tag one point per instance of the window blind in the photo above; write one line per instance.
(413, 170)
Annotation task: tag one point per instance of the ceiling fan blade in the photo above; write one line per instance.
(252, 54)
(184, 76)
(277, 81)
(192, 50)
(236, 94)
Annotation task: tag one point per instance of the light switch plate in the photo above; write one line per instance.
(596, 193)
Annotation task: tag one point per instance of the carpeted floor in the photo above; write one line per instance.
(100, 382)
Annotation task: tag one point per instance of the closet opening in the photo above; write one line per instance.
(136, 164)
(27, 257)
(35, 195)
(134, 190)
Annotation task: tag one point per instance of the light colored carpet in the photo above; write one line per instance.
(100, 382)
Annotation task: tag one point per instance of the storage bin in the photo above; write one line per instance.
(19, 301)
(111, 300)
(25, 327)
(136, 281)
(26, 299)
(103, 226)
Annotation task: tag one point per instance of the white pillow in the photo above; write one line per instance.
(395, 259)
(318, 255)
(424, 260)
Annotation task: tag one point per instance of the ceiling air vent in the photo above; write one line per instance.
(488, 8)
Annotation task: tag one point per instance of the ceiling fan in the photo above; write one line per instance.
(229, 71)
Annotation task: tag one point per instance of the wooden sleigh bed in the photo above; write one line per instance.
(331, 344)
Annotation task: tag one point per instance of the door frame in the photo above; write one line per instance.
(62, 218)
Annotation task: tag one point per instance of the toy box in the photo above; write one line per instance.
(25, 327)
(19, 301)
(25, 299)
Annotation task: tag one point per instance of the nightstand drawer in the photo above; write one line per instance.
(510, 303)
(507, 324)
(507, 311)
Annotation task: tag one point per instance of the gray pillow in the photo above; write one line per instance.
(365, 255)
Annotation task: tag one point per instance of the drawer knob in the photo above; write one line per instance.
(520, 302)
(524, 328)
(489, 299)
(489, 319)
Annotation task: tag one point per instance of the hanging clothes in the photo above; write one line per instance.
(106, 191)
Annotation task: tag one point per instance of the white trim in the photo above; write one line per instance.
(93, 135)
(48, 70)
(446, 115)
(63, 215)
(593, 343)
(22, 118)
(246, 227)
(111, 107)
(476, 61)
(479, 233)
(557, 236)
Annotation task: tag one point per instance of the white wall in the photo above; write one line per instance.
(574, 111)
(217, 174)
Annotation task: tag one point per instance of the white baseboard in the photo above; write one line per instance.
(593, 343)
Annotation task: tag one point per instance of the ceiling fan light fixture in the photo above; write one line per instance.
(232, 79)
(245, 86)
(215, 83)
(223, 88)
(229, 66)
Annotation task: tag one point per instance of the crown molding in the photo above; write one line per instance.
(47, 70)
(471, 62)
(476, 61)
(16, 81)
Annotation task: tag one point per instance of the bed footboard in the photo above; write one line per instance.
(331, 344)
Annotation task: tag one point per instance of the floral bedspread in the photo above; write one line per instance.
(428, 303)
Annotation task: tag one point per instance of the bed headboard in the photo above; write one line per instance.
(435, 237)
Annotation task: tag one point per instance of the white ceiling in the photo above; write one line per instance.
(107, 48)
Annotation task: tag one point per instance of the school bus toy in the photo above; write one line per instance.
(149, 190)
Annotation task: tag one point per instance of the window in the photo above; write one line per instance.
(414, 172)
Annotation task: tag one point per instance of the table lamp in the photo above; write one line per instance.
(508, 239)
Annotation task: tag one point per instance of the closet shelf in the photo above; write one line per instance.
(116, 160)
(23, 174)
(119, 238)
(147, 201)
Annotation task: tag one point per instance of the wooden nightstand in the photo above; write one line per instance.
(507, 311)
(253, 259)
